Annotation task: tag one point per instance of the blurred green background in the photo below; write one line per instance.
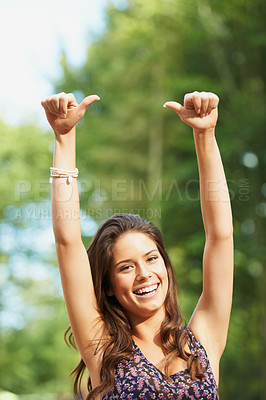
(134, 156)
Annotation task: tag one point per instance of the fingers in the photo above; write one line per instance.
(174, 105)
(53, 105)
(88, 101)
(202, 102)
(47, 105)
(62, 105)
(59, 104)
(193, 100)
(213, 102)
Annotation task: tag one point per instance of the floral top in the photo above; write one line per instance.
(140, 379)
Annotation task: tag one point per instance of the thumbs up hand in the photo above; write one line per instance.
(200, 110)
(63, 112)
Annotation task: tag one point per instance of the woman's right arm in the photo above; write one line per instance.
(63, 113)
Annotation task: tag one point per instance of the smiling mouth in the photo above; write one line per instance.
(147, 291)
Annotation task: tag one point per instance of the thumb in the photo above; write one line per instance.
(174, 105)
(87, 102)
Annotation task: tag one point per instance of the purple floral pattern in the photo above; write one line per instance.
(139, 379)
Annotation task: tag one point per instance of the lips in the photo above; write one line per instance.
(148, 290)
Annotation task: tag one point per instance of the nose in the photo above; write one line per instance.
(142, 272)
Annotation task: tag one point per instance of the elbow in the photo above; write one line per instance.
(66, 235)
(65, 240)
(220, 234)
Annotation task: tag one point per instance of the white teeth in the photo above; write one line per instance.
(147, 289)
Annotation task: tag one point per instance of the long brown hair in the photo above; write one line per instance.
(119, 345)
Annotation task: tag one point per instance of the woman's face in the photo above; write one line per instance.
(138, 276)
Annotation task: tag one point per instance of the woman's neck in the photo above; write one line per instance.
(147, 330)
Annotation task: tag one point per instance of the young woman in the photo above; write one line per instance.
(121, 295)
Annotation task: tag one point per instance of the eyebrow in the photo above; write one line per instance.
(129, 259)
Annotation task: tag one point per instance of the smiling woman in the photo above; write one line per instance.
(121, 294)
(142, 276)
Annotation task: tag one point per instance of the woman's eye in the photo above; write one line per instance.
(152, 258)
(126, 267)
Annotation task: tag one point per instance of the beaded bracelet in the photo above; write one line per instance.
(63, 173)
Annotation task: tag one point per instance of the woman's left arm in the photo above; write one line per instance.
(210, 319)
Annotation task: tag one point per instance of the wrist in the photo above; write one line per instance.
(65, 151)
(209, 132)
(205, 141)
(66, 137)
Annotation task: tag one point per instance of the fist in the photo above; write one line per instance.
(200, 110)
(63, 112)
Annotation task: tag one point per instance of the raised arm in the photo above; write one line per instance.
(210, 319)
(63, 113)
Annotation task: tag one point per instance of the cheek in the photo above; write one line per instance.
(117, 286)
(163, 271)
(165, 277)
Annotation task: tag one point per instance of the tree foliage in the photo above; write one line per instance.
(134, 156)
(155, 51)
